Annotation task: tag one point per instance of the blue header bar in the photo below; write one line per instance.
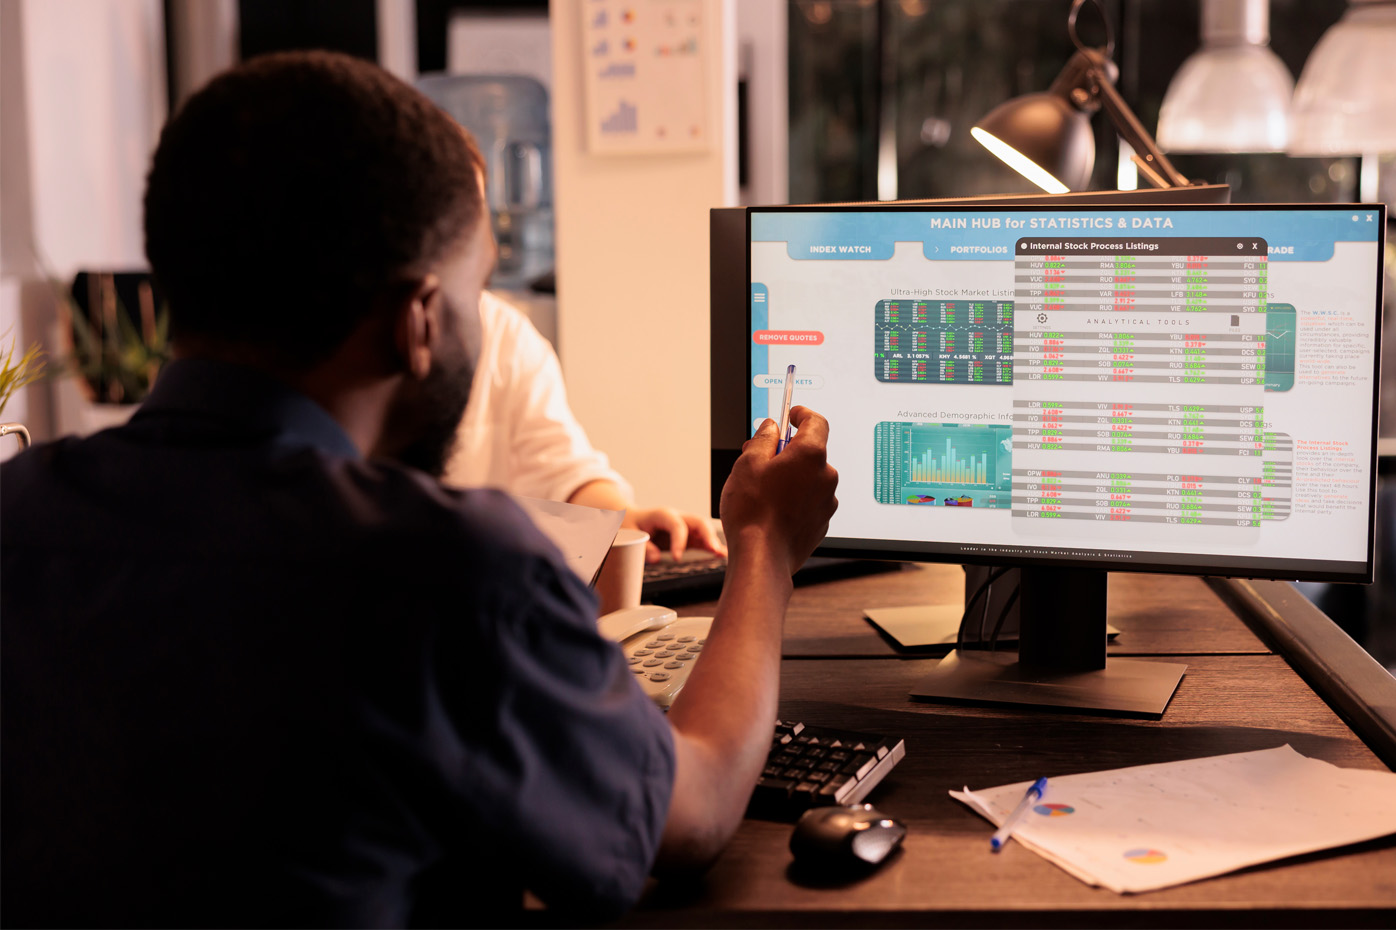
(991, 235)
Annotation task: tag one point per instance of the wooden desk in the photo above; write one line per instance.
(826, 620)
(1237, 696)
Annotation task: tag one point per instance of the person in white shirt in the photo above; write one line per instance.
(519, 434)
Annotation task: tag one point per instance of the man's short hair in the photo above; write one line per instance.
(292, 192)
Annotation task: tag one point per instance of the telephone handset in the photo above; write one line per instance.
(660, 646)
(620, 625)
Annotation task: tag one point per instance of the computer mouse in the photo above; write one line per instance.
(857, 836)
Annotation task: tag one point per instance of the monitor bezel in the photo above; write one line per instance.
(1165, 563)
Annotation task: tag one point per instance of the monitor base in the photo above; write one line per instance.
(1131, 687)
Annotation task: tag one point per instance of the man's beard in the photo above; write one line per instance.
(425, 415)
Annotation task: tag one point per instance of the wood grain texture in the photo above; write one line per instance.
(1236, 696)
(1156, 614)
(945, 874)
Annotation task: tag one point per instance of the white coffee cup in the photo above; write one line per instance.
(618, 585)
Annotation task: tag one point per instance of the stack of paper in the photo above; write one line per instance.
(1152, 826)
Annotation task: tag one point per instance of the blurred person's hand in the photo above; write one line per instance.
(672, 531)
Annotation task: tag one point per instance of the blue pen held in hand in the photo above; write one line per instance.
(1030, 797)
(784, 428)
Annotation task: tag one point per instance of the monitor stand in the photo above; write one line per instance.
(1061, 656)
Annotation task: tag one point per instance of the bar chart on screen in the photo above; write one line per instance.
(943, 464)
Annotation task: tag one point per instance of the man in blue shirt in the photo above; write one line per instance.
(256, 669)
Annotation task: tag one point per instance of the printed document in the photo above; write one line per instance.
(1152, 826)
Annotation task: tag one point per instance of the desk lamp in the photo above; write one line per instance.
(1046, 137)
(1233, 94)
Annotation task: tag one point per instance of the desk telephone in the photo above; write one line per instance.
(660, 646)
(807, 766)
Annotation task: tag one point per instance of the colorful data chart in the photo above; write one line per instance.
(1147, 827)
(1162, 311)
(944, 341)
(1281, 328)
(1173, 275)
(1094, 447)
(645, 69)
(943, 464)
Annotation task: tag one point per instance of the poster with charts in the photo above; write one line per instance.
(646, 76)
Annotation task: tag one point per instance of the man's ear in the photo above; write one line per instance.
(418, 325)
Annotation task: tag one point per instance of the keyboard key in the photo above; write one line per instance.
(812, 765)
(861, 765)
(769, 787)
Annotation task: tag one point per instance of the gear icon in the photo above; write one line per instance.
(1042, 318)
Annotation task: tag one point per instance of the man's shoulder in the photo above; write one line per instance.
(402, 503)
(306, 504)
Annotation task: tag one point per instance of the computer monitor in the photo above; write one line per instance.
(1069, 390)
(729, 331)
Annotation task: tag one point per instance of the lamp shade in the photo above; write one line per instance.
(1227, 100)
(1345, 102)
(1042, 137)
(1233, 94)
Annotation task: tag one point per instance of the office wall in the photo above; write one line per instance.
(632, 271)
(83, 101)
(16, 256)
(96, 101)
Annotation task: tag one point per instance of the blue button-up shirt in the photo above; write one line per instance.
(252, 678)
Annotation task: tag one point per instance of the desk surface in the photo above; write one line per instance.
(826, 620)
(1236, 696)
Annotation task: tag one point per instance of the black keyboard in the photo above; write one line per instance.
(812, 766)
(700, 579)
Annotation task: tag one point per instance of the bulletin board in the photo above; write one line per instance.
(646, 76)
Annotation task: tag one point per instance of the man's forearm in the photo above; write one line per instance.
(722, 719)
(601, 493)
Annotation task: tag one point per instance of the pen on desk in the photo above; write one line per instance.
(1034, 793)
(783, 436)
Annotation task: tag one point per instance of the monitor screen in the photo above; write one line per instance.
(1131, 387)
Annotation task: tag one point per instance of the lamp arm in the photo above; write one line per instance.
(1133, 131)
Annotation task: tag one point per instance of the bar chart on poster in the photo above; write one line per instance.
(645, 68)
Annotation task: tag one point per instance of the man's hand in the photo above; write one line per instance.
(673, 532)
(783, 501)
